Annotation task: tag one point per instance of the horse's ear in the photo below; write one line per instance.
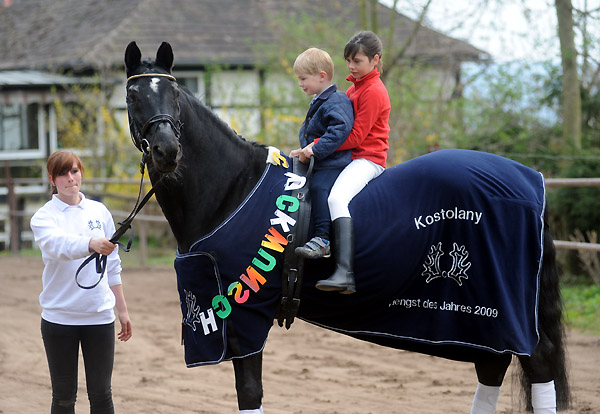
(133, 57)
(164, 56)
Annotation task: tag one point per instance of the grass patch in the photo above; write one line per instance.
(582, 307)
(23, 252)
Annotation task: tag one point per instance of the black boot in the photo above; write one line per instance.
(342, 279)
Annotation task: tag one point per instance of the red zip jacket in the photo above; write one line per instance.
(370, 133)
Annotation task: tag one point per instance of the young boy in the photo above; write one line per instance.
(328, 123)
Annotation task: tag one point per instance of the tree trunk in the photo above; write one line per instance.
(374, 16)
(362, 14)
(571, 99)
(367, 15)
(393, 60)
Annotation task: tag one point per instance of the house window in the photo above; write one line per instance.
(190, 83)
(194, 82)
(19, 127)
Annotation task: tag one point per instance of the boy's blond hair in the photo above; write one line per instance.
(312, 61)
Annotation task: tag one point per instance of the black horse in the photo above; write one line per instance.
(205, 176)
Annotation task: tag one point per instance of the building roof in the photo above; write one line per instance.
(35, 79)
(92, 34)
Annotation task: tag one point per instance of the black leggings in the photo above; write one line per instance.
(62, 350)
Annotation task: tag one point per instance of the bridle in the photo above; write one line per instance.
(142, 144)
(137, 133)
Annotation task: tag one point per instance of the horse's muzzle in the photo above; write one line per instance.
(165, 150)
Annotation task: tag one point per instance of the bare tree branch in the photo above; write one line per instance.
(402, 51)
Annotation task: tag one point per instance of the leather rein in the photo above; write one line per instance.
(138, 139)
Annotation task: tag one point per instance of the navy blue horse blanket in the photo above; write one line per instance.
(448, 252)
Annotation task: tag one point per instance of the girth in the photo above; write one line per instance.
(293, 264)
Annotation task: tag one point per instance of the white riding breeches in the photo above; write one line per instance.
(351, 180)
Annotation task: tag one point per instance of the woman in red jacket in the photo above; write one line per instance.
(369, 143)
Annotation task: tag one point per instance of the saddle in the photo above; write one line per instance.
(293, 264)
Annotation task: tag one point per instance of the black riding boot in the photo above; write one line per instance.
(342, 279)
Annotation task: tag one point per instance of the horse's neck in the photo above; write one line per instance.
(218, 170)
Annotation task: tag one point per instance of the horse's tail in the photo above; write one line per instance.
(550, 351)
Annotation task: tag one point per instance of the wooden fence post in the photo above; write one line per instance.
(12, 211)
(143, 237)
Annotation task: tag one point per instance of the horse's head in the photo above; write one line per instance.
(153, 106)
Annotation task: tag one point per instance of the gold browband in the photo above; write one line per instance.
(145, 75)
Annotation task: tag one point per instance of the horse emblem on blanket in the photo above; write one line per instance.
(445, 240)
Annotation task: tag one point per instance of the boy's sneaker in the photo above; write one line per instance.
(315, 248)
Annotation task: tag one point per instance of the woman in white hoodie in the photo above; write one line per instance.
(68, 228)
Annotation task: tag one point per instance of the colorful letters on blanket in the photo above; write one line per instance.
(264, 262)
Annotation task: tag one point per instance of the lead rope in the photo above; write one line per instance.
(124, 226)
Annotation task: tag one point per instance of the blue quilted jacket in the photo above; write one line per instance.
(330, 118)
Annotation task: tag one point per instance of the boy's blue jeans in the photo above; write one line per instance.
(320, 186)
(62, 350)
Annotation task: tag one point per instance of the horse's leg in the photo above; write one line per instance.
(544, 374)
(490, 374)
(538, 371)
(248, 383)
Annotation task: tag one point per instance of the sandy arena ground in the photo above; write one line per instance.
(304, 371)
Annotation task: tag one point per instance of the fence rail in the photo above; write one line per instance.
(19, 186)
(571, 245)
(13, 232)
(572, 182)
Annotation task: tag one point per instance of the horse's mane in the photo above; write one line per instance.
(214, 120)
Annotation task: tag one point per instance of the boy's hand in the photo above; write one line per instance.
(306, 153)
(303, 154)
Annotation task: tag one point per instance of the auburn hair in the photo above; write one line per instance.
(61, 162)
